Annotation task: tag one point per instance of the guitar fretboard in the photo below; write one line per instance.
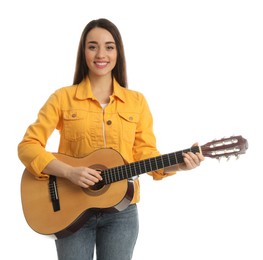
(127, 171)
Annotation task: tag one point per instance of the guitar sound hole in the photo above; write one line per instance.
(97, 186)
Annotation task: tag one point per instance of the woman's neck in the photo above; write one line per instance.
(102, 88)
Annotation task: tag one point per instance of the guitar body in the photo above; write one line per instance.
(76, 203)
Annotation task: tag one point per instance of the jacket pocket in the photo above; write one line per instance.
(74, 124)
(129, 122)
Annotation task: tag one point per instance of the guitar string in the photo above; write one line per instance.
(133, 169)
(136, 168)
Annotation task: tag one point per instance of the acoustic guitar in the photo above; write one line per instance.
(58, 207)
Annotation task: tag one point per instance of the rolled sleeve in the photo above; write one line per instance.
(31, 150)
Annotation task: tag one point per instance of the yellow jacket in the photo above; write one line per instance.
(125, 125)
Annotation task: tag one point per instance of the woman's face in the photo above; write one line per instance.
(100, 52)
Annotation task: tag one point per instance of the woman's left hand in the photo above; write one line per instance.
(191, 160)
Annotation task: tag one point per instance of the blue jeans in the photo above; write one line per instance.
(113, 234)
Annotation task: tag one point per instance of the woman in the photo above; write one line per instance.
(97, 111)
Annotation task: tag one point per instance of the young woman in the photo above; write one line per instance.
(97, 111)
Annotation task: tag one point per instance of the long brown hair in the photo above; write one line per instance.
(119, 72)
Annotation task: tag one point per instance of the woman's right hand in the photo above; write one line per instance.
(83, 176)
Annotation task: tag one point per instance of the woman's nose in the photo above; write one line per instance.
(101, 53)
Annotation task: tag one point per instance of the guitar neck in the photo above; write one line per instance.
(128, 171)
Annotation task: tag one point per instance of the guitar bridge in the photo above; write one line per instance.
(53, 191)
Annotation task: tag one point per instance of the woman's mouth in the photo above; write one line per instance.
(101, 64)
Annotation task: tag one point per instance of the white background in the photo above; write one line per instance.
(199, 64)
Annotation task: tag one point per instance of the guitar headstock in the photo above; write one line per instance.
(225, 147)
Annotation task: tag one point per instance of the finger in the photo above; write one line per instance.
(96, 174)
(192, 159)
(91, 179)
(200, 156)
(187, 162)
(84, 185)
(88, 181)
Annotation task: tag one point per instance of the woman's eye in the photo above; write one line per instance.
(110, 47)
(91, 47)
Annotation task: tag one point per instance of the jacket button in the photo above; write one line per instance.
(109, 122)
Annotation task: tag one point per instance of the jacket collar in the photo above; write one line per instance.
(84, 90)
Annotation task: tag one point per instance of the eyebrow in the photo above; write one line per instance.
(94, 42)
